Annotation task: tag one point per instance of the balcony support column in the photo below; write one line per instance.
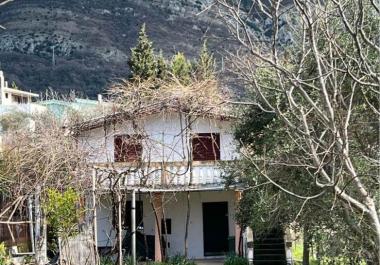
(157, 205)
(238, 245)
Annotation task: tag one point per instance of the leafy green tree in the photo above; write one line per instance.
(181, 68)
(142, 63)
(315, 68)
(328, 227)
(62, 211)
(205, 64)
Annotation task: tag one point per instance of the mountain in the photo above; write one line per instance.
(83, 45)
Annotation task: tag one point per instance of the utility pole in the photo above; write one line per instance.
(133, 226)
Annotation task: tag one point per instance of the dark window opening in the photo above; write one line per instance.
(166, 226)
(128, 148)
(206, 146)
(139, 216)
(6, 95)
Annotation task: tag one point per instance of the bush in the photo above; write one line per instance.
(235, 260)
(179, 260)
(106, 261)
(4, 257)
(175, 260)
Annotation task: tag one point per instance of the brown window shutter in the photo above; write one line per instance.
(127, 148)
(206, 146)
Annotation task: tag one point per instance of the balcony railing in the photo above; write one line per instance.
(175, 175)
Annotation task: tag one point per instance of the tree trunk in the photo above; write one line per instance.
(306, 246)
(190, 157)
(187, 224)
(40, 231)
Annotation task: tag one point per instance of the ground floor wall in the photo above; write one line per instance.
(174, 208)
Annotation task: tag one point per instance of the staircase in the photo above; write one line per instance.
(269, 249)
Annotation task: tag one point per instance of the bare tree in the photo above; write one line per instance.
(4, 2)
(314, 66)
(36, 157)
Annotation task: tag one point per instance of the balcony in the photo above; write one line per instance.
(167, 176)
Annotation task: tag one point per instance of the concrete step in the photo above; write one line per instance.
(280, 257)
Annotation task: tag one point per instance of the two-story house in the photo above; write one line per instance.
(12, 95)
(173, 160)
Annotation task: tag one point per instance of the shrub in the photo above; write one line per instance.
(179, 260)
(175, 260)
(106, 261)
(235, 260)
(62, 211)
(4, 257)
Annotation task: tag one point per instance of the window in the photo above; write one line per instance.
(166, 226)
(128, 148)
(6, 95)
(206, 146)
(139, 216)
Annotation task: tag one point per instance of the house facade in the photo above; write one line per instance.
(174, 163)
(12, 95)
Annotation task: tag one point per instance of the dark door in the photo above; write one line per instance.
(215, 228)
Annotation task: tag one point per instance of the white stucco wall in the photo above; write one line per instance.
(175, 208)
(165, 138)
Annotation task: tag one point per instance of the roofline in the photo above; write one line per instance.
(16, 91)
(64, 102)
(125, 116)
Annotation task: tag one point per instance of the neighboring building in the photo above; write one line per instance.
(14, 96)
(14, 99)
(61, 108)
(163, 161)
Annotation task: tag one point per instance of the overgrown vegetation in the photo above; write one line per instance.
(235, 260)
(4, 257)
(43, 164)
(158, 82)
(62, 210)
(13, 121)
(174, 260)
(310, 134)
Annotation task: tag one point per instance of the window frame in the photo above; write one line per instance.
(124, 155)
(204, 154)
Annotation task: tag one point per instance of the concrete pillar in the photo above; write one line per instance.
(238, 246)
(157, 204)
(133, 226)
(2, 85)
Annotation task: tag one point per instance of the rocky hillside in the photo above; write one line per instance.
(84, 45)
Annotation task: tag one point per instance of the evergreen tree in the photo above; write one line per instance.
(181, 68)
(205, 65)
(162, 67)
(142, 62)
